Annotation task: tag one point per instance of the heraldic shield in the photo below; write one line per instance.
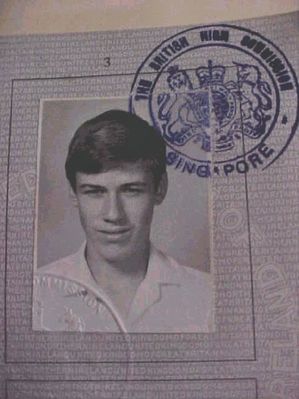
(204, 108)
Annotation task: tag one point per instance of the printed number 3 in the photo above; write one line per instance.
(107, 62)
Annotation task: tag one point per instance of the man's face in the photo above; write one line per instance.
(116, 209)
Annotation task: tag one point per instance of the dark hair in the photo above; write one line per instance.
(113, 137)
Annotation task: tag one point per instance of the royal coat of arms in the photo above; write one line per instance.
(216, 112)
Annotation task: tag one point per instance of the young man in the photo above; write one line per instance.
(118, 281)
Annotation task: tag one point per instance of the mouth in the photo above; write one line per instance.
(115, 234)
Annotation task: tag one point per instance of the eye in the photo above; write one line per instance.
(133, 190)
(94, 191)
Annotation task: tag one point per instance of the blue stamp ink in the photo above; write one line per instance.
(224, 98)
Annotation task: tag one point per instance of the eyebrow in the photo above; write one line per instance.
(90, 185)
(133, 183)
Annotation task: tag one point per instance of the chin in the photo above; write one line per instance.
(116, 254)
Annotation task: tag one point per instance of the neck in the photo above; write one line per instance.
(108, 272)
(118, 279)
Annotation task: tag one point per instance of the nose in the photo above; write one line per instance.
(113, 210)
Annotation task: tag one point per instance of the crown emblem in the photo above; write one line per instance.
(210, 75)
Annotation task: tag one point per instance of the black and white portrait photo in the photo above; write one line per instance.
(122, 242)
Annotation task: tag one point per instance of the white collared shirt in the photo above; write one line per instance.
(171, 298)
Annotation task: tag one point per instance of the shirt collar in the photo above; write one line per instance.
(158, 270)
(160, 275)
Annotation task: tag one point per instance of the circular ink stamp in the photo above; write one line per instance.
(224, 98)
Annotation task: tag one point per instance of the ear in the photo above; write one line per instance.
(73, 196)
(161, 189)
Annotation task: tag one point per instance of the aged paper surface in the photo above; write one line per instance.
(225, 98)
(62, 16)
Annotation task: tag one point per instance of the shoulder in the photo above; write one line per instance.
(184, 275)
(63, 267)
(191, 290)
